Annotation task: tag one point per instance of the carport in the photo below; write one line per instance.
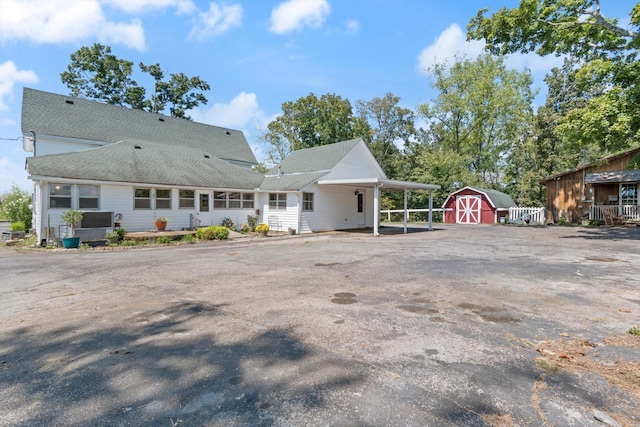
(378, 185)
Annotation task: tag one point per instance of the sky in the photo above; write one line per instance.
(255, 54)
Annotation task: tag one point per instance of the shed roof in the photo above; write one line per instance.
(70, 117)
(145, 162)
(497, 199)
(612, 177)
(632, 151)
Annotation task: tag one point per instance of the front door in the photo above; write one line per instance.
(360, 212)
(468, 210)
(204, 209)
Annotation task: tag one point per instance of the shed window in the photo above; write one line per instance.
(278, 201)
(59, 196)
(163, 199)
(88, 196)
(307, 201)
(142, 198)
(187, 199)
(629, 194)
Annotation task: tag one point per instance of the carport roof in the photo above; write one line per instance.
(384, 184)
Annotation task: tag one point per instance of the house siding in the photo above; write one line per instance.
(356, 164)
(335, 208)
(280, 219)
(46, 146)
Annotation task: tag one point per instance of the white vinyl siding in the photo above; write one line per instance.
(336, 209)
(357, 164)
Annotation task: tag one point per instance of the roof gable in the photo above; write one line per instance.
(497, 199)
(69, 117)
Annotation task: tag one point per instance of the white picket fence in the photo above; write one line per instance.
(527, 215)
(629, 212)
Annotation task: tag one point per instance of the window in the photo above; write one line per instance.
(141, 198)
(59, 196)
(234, 200)
(247, 200)
(629, 194)
(163, 199)
(88, 196)
(187, 199)
(307, 201)
(277, 200)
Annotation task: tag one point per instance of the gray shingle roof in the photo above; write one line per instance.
(152, 163)
(52, 114)
(292, 182)
(613, 176)
(315, 159)
(498, 198)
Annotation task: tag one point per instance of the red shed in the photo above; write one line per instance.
(472, 205)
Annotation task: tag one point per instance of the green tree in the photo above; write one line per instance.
(391, 125)
(95, 73)
(15, 206)
(480, 113)
(310, 122)
(608, 55)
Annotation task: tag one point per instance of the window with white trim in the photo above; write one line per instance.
(60, 196)
(307, 201)
(278, 201)
(142, 198)
(232, 200)
(163, 199)
(187, 199)
(88, 196)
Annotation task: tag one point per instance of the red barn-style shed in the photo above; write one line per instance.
(472, 205)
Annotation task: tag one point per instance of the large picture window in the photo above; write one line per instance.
(307, 201)
(187, 199)
(232, 200)
(59, 196)
(142, 198)
(278, 201)
(163, 199)
(88, 196)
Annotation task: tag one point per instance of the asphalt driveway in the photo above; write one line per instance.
(463, 325)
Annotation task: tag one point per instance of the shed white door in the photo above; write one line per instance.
(468, 210)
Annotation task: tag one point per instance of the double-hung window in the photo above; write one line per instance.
(88, 196)
(247, 200)
(232, 200)
(187, 199)
(142, 198)
(60, 196)
(278, 201)
(163, 199)
(307, 201)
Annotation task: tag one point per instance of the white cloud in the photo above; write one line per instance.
(9, 76)
(353, 26)
(217, 20)
(448, 44)
(142, 6)
(296, 14)
(241, 113)
(53, 22)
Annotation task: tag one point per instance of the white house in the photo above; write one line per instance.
(115, 163)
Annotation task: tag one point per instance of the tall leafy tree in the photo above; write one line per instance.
(608, 55)
(311, 121)
(95, 73)
(391, 126)
(479, 114)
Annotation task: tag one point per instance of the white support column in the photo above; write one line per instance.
(376, 209)
(431, 210)
(405, 211)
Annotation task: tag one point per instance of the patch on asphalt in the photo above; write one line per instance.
(417, 310)
(344, 298)
(327, 264)
(602, 259)
(489, 314)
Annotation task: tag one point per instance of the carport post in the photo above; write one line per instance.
(376, 209)
(405, 211)
(431, 210)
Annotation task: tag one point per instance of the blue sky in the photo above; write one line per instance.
(255, 54)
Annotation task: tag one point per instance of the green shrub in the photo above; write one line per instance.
(188, 238)
(164, 240)
(121, 232)
(15, 206)
(18, 226)
(129, 243)
(215, 232)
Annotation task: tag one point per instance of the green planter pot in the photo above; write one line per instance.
(70, 242)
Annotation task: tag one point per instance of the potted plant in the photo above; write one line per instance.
(262, 229)
(72, 218)
(112, 237)
(161, 223)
